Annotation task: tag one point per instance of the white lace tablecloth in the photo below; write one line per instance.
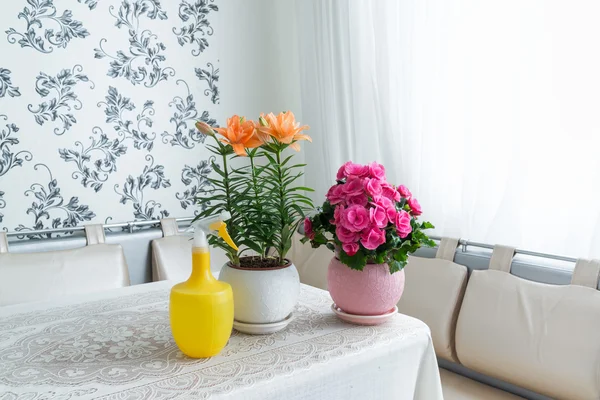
(118, 345)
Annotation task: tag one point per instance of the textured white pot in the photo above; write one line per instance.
(262, 296)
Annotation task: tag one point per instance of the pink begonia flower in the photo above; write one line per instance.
(351, 169)
(359, 199)
(354, 186)
(403, 224)
(383, 202)
(357, 170)
(378, 217)
(341, 174)
(404, 192)
(308, 231)
(345, 235)
(355, 218)
(372, 238)
(377, 171)
(415, 207)
(335, 194)
(391, 214)
(373, 187)
(350, 248)
(390, 192)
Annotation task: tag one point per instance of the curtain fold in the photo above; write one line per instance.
(485, 110)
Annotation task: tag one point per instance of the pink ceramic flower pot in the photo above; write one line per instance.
(372, 291)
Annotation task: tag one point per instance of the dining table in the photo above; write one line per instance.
(118, 344)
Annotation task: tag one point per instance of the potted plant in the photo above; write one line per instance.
(372, 226)
(266, 207)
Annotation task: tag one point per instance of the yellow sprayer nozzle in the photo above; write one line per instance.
(221, 228)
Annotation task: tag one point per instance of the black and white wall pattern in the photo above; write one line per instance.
(98, 100)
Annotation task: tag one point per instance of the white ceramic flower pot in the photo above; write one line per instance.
(262, 296)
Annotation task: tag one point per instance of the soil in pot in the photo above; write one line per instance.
(256, 262)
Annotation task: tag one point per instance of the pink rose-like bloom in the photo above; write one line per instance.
(383, 202)
(377, 170)
(415, 207)
(403, 224)
(372, 238)
(341, 174)
(373, 187)
(350, 248)
(378, 217)
(358, 170)
(354, 186)
(345, 235)
(390, 192)
(391, 214)
(351, 169)
(335, 194)
(359, 199)
(355, 218)
(308, 231)
(404, 192)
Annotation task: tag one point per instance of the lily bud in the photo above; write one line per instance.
(263, 121)
(205, 128)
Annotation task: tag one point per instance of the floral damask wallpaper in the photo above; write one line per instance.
(98, 100)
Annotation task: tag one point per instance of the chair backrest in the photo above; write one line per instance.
(312, 264)
(172, 254)
(433, 293)
(542, 337)
(26, 277)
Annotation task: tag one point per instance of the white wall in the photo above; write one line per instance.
(258, 53)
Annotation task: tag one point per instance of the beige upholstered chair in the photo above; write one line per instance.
(311, 263)
(49, 275)
(172, 255)
(545, 338)
(433, 293)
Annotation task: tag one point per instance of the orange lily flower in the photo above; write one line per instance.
(265, 137)
(283, 128)
(240, 134)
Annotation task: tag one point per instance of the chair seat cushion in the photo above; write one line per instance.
(458, 387)
(172, 259)
(26, 277)
(544, 338)
(311, 263)
(433, 293)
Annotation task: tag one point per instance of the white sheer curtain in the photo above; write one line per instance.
(486, 110)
